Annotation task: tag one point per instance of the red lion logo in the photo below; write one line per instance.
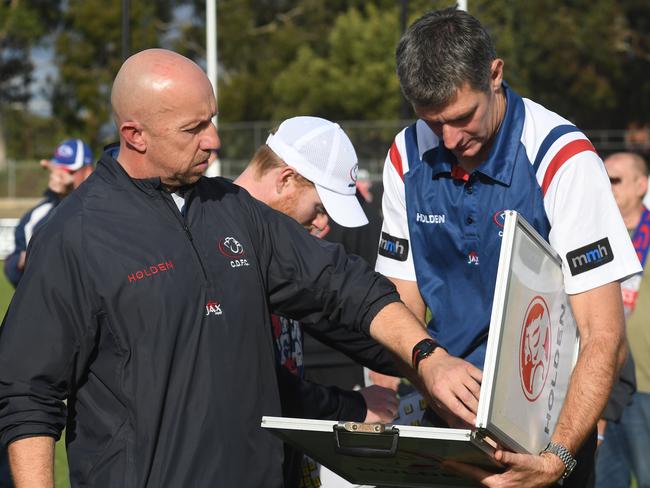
(535, 348)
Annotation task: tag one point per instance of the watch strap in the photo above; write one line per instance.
(421, 350)
(565, 456)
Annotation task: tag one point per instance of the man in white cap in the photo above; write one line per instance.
(308, 170)
(70, 165)
(308, 167)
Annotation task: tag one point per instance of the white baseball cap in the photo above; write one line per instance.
(322, 153)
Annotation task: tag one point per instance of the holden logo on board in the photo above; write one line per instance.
(535, 349)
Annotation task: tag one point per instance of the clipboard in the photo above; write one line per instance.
(532, 347)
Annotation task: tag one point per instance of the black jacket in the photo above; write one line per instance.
(156, 329)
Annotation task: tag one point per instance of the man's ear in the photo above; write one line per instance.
(284, 178)
(496, 74)
(642, 185)
(132, 133)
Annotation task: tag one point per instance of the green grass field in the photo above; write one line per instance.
(60, 460)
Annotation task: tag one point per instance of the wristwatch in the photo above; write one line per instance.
(421, 350)
(565, 456)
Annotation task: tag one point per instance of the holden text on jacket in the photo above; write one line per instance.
(150, 271)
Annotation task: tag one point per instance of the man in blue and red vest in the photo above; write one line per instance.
(477, 149)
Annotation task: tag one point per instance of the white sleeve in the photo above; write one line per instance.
(395, 256)
(587, 229)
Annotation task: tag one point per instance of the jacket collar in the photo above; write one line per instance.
(109, 163)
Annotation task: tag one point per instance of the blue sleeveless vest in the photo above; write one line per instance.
(455, 225)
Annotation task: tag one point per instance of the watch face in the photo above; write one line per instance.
(426, 347)
(421, 350)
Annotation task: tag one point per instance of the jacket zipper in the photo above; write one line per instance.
(181, 220)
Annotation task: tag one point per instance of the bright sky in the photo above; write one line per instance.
(43, 68)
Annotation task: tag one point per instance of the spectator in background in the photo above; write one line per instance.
(624, 448)
(69, 167)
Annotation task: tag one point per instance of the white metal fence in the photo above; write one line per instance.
(371, 139)
(26, 179)
(7, 227)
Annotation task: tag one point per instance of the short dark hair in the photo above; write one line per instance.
(440, 52)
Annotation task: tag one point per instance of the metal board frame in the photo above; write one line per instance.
(409, 456)
(367, 458)
(529, 427)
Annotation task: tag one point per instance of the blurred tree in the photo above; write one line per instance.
(22, 25)
(567, 62)
(336, 58)
(257, 44)
(585, 59)
(260, 39)
(88, 54)
(30, 136)
(633, 48)
(353, 78)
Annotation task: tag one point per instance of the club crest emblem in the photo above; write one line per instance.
(535, 348)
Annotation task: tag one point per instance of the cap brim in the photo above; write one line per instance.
(345, 210)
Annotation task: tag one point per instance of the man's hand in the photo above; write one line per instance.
(61, 181)
(522, 470)
(454, 385)
(384, 380)
(21, 260)
(382, 404)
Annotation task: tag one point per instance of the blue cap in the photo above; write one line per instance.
(73, 154)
